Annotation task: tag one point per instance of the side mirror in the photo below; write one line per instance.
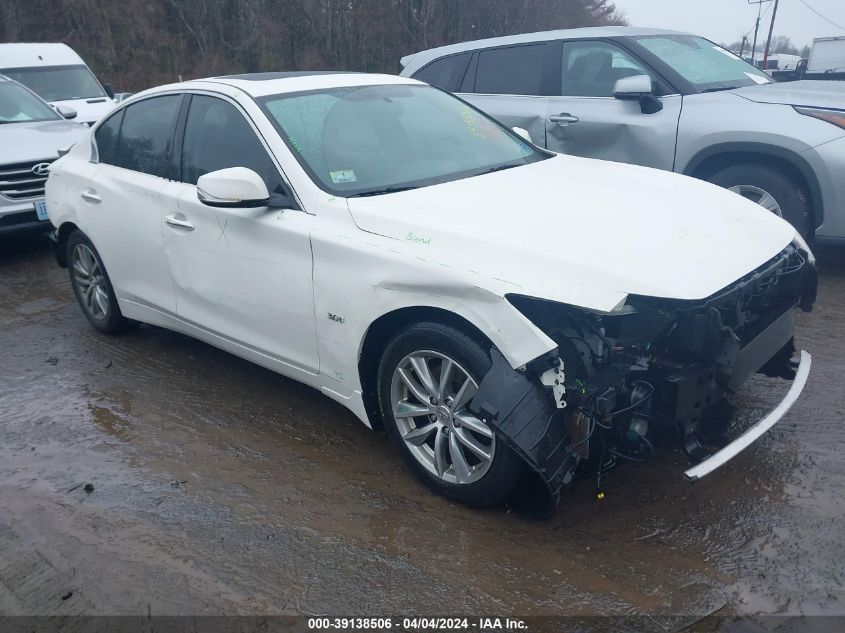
(66, 112)
(232, 188)
(109, 90)
(522, 132)
(634, 88)
(638, 88)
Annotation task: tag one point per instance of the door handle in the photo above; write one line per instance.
(564, 119)
(90, 196)
(180, 223)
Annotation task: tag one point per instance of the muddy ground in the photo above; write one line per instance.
(220, 487)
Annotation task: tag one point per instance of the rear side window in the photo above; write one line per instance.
(517, 70)
(217, 136)
(446, 73)
(106, 138)
(146, 136)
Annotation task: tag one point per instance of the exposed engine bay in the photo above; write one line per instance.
(620, 384)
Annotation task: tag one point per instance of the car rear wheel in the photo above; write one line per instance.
(772, 189)
(428, 375)
(92, 287)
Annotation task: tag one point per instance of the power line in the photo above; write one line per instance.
(826, 19)
(759, 18)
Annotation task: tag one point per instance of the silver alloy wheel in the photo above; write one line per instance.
(90, 281)
(429, 394)
(760, 196)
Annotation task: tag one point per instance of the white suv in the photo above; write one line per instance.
(662, 99)
(31, 135)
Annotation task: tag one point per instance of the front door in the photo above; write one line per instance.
(242, 274)
(586, 119)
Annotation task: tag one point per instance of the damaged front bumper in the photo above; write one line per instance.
(723, 456)
(619, 382)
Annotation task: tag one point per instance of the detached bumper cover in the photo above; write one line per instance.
(745, 440)
(520, 409)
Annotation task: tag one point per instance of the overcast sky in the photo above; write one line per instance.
(726, 21)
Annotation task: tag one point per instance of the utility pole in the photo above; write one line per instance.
(742, 45)
(759, 4)
(771, 30)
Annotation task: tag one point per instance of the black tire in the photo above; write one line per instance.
(112, 321)
(504, 471)
(789, 194)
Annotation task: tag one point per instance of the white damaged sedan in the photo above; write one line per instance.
(493, 306)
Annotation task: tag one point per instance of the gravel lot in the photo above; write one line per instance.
(220, 487)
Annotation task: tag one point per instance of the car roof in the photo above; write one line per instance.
(417, 60)
(28, 54)
(262, 84)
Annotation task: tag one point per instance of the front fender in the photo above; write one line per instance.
(357, 282)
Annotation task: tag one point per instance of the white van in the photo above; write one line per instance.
(59, 76)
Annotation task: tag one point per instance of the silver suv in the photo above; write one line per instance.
(31, 135)
(662, 99)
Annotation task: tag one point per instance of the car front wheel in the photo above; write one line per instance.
(772, 189)
(428, 375)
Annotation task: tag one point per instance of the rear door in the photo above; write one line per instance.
(512, 84)
(243, 274)
(585, 119)
(123, 199)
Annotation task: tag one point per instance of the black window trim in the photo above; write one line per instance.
(95, 155)
(168, 157)
(468, 83)
(457, 84)
(121, 112)
(182, 123)
(547, 75)
(553, 66)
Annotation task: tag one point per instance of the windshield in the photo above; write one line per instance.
(702, 63)
(18, 105)
(369, 140)
(58, 83)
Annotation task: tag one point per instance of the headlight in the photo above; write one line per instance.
(837, 117)
(802, 245)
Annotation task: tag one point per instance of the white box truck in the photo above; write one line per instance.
(59, 76)
(828, 56)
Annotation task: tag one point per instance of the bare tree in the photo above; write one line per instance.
(138, 43)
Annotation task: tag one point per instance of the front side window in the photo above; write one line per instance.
(217, 136)
(18, 105)
(367, 140)
(446, 73)
(146, 136)
(702, 63)
(58, 83)
(516, 70)
(591, 69)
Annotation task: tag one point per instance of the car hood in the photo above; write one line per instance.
(816, 94)
(37, 140)
(88, 110)
(580, 231)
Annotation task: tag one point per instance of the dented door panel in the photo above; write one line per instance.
(611, 129)
(526, 112)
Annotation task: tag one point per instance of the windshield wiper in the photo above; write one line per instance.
(502, 168)
(722, 89)
(380, 192)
